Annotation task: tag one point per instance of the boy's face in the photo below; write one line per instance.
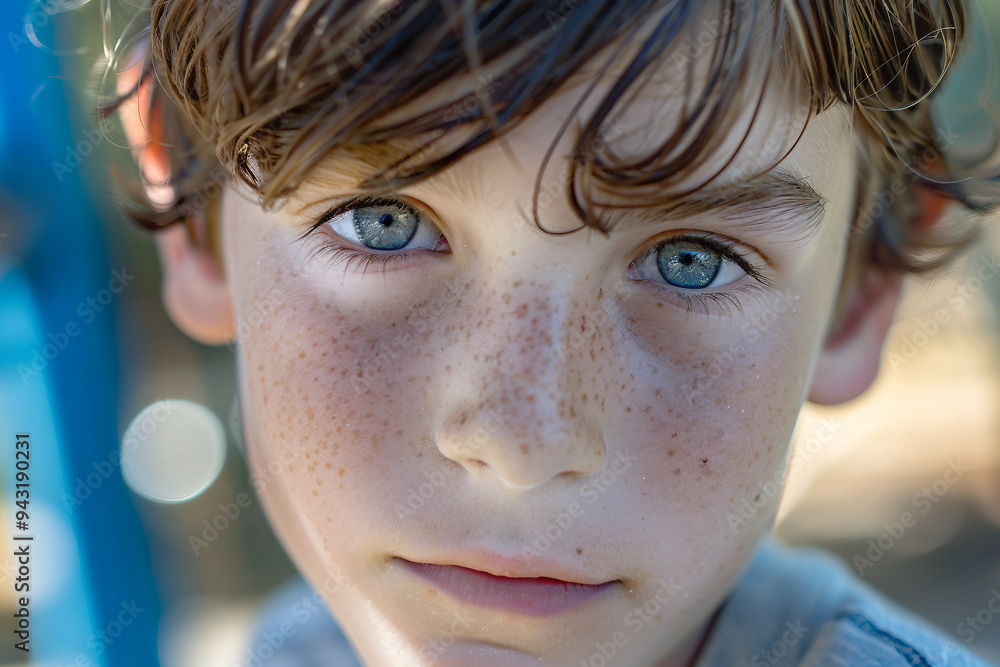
(551, 399)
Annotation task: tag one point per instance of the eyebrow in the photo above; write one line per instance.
(775, 201)
(788, 201)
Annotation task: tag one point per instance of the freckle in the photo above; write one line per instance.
(579, 551)
(399, 432)
(704, 460)
(670, 453)
(674, 435)
(419, 454)
(755, 498)
(341, 471)
(677, 471)
(302, 355)
(524, 449)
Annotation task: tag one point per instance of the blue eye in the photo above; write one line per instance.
(688, 265)
(385, 225)
(691, 264)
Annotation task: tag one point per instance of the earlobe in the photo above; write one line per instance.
(195, 293)
(849, 360)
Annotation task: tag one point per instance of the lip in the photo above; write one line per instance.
(536, 595)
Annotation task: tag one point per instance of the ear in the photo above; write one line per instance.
(195, 293)
(850, 358)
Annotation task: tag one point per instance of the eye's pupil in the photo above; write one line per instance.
(686, 258)
(386, 220)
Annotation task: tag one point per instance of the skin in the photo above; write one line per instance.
(465, 400)
(337, 457)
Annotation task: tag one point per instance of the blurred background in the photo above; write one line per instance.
(85, 345)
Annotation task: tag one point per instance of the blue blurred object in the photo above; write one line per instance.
(93, 599)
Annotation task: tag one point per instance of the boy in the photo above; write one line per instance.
(546, 286)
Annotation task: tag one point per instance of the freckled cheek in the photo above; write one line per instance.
(338, 403)
(723, 405)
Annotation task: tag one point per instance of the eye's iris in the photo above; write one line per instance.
(386, 227)
(688, 265)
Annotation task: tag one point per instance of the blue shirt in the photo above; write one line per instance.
(789, 608)
(804, 608)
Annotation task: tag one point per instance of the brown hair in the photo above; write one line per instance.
(262, 90)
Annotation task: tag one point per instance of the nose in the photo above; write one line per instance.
(520, 410)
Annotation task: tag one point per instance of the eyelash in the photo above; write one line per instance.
(700, 300)
(693, 300)
(338, 251)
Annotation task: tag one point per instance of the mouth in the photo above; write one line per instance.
(527, 596)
